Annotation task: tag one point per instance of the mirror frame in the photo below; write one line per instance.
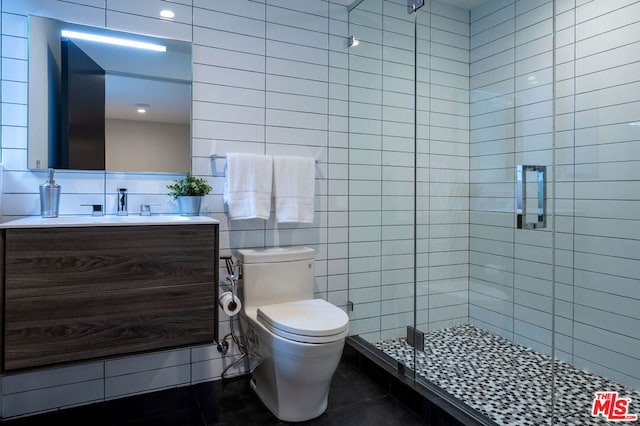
(44, 117)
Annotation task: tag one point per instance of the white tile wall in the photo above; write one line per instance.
(596, 153)
(269, 78)
(381, 167)
(276, 77)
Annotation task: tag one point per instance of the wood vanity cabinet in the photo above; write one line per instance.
(83, 293)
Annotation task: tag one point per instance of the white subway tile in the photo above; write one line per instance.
(228, 95)
(14, 47)
(284, 84)
(15, 25)
(399, 41)
(533, 16)
(491, 14)
(14, 69)
(296, 52)
(608, 17)
(228, 58)
(223, 40)
(14, 159)
(14, 114)
(150, 26)
(50, 398)
(14, 92)
(339, 64)
(151, 9)
(447, 38)
(254, 10)
(227, 131)
(313, 16)
(302, 120)
(296, 69)
(86, 14)
(229, 77)
(228, 113)
(303, 37)
(145, 381)
(14, 137)
(284, 135)
(52, 378)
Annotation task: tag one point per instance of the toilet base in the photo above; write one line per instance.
(293, 379)
(287, 416)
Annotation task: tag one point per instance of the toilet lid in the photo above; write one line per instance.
(310, 321)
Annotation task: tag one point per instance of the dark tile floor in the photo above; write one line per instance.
(354, 399)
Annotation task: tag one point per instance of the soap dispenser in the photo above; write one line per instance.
(49, 197)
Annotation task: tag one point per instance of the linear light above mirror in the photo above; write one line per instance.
(157, 141)
(117, 41)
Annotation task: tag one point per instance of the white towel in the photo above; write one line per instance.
(247, 187)
(294, 188)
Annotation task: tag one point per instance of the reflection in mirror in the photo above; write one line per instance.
(100, 106)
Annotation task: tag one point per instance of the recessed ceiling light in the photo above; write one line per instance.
(166, 13)
(142, 108)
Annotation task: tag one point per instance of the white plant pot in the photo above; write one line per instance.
(189, 205)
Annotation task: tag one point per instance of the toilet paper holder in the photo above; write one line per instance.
(233, 278)
(223, 346)
(229, 301)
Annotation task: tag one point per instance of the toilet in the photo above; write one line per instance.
(299, 339)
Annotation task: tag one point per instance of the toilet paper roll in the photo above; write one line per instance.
(230, 303)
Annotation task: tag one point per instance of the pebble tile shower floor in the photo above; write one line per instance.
(507, 382)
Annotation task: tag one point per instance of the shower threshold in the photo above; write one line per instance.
(427, 401)
(502, 381)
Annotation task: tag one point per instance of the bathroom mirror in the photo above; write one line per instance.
(98, 103)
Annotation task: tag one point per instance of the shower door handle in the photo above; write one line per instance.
(521, 201)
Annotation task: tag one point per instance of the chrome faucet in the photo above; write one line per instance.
(122, 202)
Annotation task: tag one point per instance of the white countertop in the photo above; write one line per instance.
(110, 220)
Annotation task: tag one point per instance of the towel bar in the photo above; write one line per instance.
(216, 156)
(220, 173)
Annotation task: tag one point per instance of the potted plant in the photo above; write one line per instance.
(189, 192)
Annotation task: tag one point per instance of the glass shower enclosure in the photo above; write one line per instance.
(494, 202)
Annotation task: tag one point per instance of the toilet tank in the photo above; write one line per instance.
(276, 275)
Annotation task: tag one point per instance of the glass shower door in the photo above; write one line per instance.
(442, 190)
(448, 108)
(598, 240)
(511, 275)
(382, 176)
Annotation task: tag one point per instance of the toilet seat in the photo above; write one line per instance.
(306, 321)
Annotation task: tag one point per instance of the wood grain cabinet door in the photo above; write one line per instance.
(75, 294)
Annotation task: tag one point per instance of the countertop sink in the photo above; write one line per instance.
(109, 220)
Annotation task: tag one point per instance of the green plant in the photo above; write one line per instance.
(190, 186)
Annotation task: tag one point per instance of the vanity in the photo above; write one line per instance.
(84, 288)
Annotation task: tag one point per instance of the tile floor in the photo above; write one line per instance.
(354, 399)
(465, 362)
(506, 382)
